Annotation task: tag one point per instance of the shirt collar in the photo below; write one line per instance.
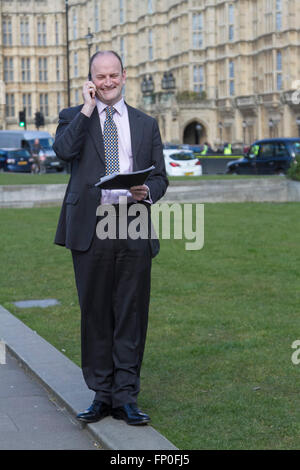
(119, 106)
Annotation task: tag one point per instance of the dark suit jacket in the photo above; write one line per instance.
(79, 141)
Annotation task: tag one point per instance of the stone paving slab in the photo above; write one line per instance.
(43, 303)
(63, 380)
(29, 420)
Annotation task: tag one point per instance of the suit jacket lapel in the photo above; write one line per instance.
(96, 134)
(136, 133)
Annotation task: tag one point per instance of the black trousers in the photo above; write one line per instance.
(113, 284)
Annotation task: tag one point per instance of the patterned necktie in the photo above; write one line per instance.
(110, 137)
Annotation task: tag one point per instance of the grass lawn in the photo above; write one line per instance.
(217, 371)
(62, 178)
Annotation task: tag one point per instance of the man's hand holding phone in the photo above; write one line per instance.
(88, 93)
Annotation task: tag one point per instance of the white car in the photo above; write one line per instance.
(182, 163)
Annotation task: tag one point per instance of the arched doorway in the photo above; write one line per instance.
(194, 133)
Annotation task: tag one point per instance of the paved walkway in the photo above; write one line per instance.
(40, 400)
(30, 419)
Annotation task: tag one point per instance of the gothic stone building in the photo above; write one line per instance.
(208, 70)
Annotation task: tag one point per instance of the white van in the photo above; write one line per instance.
(25, 140)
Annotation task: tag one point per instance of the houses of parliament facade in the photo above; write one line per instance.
(208, 70)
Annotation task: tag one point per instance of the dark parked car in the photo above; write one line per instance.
(48, 160)
(17, 160)
(267, 156)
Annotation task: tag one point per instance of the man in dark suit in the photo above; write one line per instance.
(112, 275)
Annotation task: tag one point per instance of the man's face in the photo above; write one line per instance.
(108, 77)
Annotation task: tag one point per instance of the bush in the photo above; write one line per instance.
(294, 170)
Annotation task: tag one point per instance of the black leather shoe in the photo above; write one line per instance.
(131, 414)
(95, 412)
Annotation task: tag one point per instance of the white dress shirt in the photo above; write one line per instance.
(121, 120)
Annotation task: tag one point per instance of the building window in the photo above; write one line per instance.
(74, 25)
(231, 22)
(122, 50)
(57, 69)
(25, 69)
(231, 78)
(121, 10)
(42, 33)
(150, 6)
(26, 99)
(197, 30)
(9, 105)
(56, 32)
(150, 45)
(198, 78)
(7, 32)
(43, 69)
(96, 17)
(58, 102)
(44, 104)
(24, 32)
(278, 21)
(8, 69)
(278, 15)
(279, 70)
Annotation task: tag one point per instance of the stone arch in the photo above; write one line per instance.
(194, 132)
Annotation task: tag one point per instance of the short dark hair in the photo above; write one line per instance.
(102, 53)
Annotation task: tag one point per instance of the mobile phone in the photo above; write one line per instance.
(90, 79)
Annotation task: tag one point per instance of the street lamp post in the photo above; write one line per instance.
(89, 39)
(271, 127)
(220, 126)
(67, 50)
(244, 132)
(198, 128)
